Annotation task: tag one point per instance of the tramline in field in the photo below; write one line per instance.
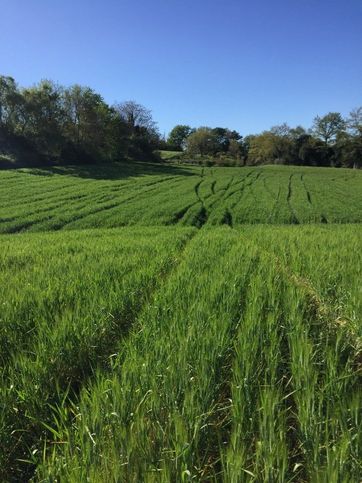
(183, 351)
(63, 198)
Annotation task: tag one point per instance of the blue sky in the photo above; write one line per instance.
(246, 65)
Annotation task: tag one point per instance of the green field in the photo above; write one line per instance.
(174, 323)
(95, 197)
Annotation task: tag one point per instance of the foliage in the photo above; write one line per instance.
(328, 127)
(202, 141)
(178, 135)
(116, 367)
(72, 124)
(49, 123)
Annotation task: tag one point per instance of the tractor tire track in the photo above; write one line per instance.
(293, 217)
(309, 198)
(197, 188)
(114, 202)
(275, 206)
(268, 190)
(69, 390)
(247, 181)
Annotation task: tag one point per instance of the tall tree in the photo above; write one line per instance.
(224, 136)
(354, 122)
(350, 144)
(203, 141)
(274, 146)
(87, 118)
(144, 134)
(178, 135)
(235, 149)
(135, 115)
(43, 116)
(327, 127)
(10, 102)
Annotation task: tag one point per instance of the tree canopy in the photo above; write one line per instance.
(178, 135)
(48, 122)
(73, 124)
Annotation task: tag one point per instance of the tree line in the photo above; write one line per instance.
(49, 123)
(331, 141)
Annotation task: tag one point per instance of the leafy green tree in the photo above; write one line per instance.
(42, 117)
(274, 146)
(224, 136)
(354, 122)
(310, 151)
(88, 118)
(10, 103)
(261, 148)
(203, 141)
(351, 155)
(235, 149)
(178, 135)
(327, 127)
(297, 132)
(349, 143)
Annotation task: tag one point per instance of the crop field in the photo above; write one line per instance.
(109, 197)
(181, 324)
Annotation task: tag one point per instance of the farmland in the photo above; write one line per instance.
(90, 197)
(180, 323)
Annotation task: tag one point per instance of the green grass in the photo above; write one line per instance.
(114, 196)
(221, 343)
(169, 155)
(66, 301)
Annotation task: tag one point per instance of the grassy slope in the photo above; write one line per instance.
(66, 302)
(176, 354)
(169, 155)
(39, 200)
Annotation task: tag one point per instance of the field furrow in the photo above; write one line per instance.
(177, 323)
(229, 378)
(69, 321)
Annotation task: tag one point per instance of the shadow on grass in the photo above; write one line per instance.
(112, 171)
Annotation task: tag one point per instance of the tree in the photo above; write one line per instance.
(351, 155)
(74, 124)
(274, 146)
(42, 117)
(88, 118)
(178, 135)
(9, 100)
(224, 136)
(328, 126)
(281, 130)
(144, 135)
(203, 141)
(354, 122)
(310, 151)
(349, 144)
(235, 149)
(261, 148)
(135, 115)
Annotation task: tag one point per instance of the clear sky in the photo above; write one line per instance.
(246, 65)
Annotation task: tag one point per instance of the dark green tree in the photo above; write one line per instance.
(12, 108)
(224, 136)
(203, 141)
(178, 135)
(327, 127)
(42, 117)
